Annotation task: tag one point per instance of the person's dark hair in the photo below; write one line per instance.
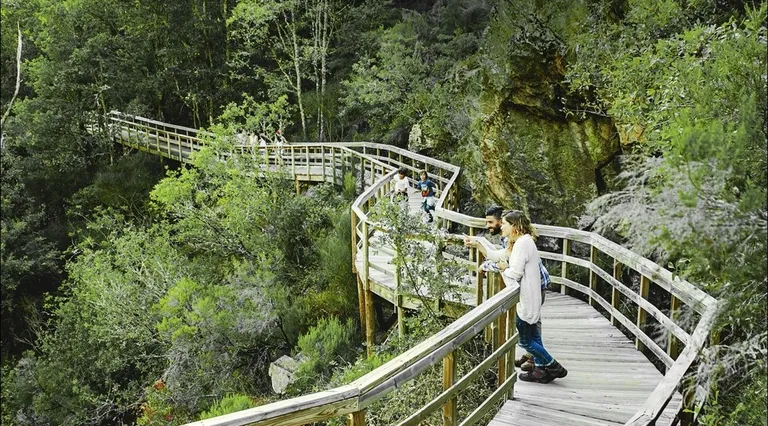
(520, 222)
(424, 172)
(402, 171)
(494, 211)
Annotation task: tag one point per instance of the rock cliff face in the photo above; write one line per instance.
(535, 153)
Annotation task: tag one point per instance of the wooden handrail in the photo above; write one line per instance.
(381, 166)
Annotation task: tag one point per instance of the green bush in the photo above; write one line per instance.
(329, 344)
(230, 404)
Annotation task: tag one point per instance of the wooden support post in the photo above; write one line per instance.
(688, 390)
(353, 216)
(490, 330)
(399, 297)
(497, 284)
(592, 274)
(181, 153)
(479, 279)
(645, 286)
(456, 198)
(356, 419)
(400, 317)
(472, 251)
(673, 349)
(369, 314)
(333, 164)
(502, 331)
(714, 338)
(511, 328)
(449, 374)
(361, 302)
(373, 173)
(564, 271)
(298, 185)
(322, 159)
(615, 291)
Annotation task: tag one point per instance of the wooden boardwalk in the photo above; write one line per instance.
(608, 379)
(382, 271)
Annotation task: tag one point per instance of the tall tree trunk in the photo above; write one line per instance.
(297, 69)
(18, 79)
(323, 56)
(321, 34)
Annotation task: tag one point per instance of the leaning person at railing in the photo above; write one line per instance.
(493, 255)
(523, 267)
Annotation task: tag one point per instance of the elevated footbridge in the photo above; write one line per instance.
(624, 369)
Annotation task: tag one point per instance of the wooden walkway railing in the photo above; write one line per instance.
(580, 259)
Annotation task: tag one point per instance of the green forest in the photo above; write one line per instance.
(139, 290)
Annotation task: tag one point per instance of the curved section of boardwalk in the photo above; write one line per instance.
(607, 377)
(382, 273)
(610, 382)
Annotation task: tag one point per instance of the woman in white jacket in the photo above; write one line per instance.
(523, 267)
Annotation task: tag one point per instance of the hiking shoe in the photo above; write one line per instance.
(528, 365)
(525, 358)
(538, 375)
(556, 371)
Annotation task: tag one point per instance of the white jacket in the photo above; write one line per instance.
(401, 185)
(524, 268)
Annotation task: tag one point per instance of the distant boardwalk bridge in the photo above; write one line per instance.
(612, 379)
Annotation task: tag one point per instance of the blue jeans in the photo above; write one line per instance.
(530, 340)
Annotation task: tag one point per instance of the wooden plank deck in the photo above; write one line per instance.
(382, 269)
(608, 379)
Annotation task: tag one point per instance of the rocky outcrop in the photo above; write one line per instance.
(283, 372)
(537, 151)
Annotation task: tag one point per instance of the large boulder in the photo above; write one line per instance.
(283, 372)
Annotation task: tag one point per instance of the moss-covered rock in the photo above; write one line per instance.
(534, 153)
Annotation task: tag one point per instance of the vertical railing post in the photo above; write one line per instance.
(293, 160)
(490, 330)
(615, 292)
(645, 286)
(398, 296)
(479, 279)
(333, 164)
(357, 418)
(673, 349)
(322, 159)
(511, 328)
(369, 319)
(373, 173)
(472, 251)
(306, 155)
(592, 275)
(167, 143)
(502, 335)
(456, 199)
(449, 374)
(353, 217)
(564, 271)
(688, 390)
